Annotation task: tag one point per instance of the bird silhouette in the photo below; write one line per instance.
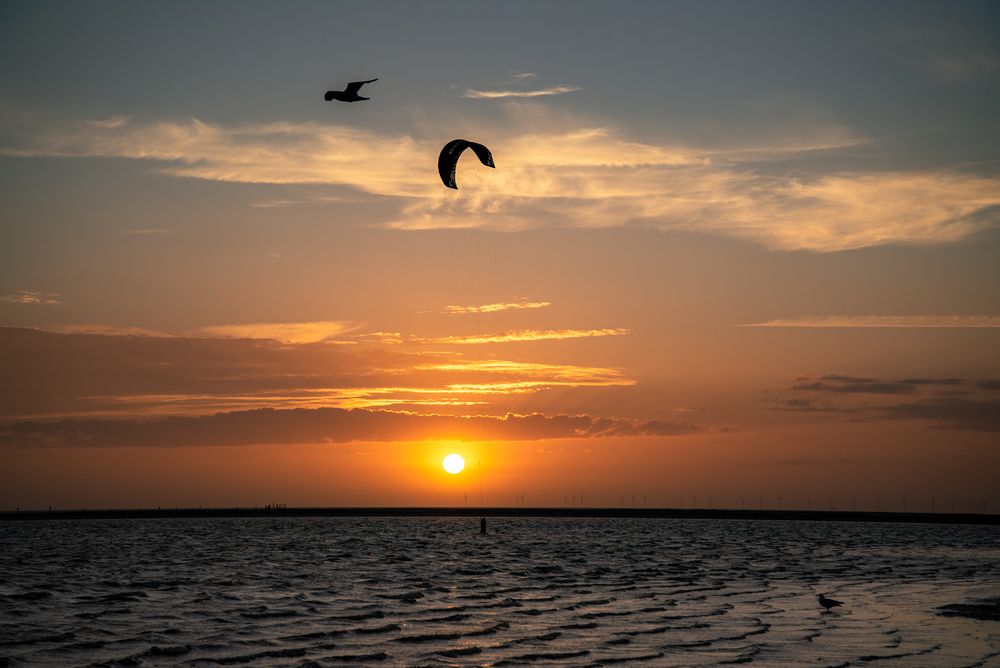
(349, 94)
(828, 602)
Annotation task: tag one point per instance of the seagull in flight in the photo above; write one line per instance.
(349, 94)
(828, 602)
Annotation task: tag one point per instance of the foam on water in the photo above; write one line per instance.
(334, 591)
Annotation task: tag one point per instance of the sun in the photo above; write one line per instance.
(453, 463)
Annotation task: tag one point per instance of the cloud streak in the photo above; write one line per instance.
(326, 425)
(32, 297)
(101, 371)
(285, 332)
(494, 308)
(941, 403)
(885, 321)
(561, 171)
(501, 94)
(527, 335)
(581, 375)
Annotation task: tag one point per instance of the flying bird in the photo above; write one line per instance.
(452, 151)
(828, 602)
(349, 94)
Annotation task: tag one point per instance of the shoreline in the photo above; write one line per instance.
(623, 513)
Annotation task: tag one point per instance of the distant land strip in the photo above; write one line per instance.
(500, 512)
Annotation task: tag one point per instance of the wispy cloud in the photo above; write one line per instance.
(560, 171)
(32, 297)
(528, 335)
(110, 123)
(499, 94)
(310, 200)
(941, 403)
(494, 308)
(949, 55)
(108, 330)
(387, 338)
(327, 425)
(885, 321)
(551, 373)
(855, 385)
(962, 67)
(285, 332)
(948, 413)
(144, 231)
(137, 372)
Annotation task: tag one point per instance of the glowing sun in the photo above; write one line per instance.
(453, 464)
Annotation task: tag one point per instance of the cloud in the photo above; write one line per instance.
(326, 425)
(962, 67)
(286, 332)
(528, 335)
(493, 308)
(107, 330)
(946, 403)
(32, 297)
(385, 338)
(110, 123)
(851, 385)
(499, 94)
(563, 171)
(552, 373)
(808, 405)
(144, 231)
(102, 371)
(948, 413)
(948, 55)
(885, 321)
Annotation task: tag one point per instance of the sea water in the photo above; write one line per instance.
(433, 591)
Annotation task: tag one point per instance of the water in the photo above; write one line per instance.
(421, 591)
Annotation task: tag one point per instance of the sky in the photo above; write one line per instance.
(732, 254)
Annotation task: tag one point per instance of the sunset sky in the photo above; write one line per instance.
(732, 251)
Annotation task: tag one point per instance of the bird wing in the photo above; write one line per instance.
(355, 86)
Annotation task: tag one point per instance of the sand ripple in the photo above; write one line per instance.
(431, 591)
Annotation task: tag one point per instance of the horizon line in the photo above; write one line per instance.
(276, 510)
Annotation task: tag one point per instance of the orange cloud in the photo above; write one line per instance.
(565, 171)
(885, 321)
(331, 425)
(286, 332)
(108, 330)
(555, 372)
(32, 297)
(99, 371)
(528, 335)
(493, 308)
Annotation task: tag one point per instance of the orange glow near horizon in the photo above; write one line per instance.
(581, 472)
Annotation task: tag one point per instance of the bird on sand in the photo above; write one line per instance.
(349, 94)
(828, 602)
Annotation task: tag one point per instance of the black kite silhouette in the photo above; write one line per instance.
(349, 94)
(452, 151)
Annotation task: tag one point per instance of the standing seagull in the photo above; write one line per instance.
(349, 94)
(828, 602)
